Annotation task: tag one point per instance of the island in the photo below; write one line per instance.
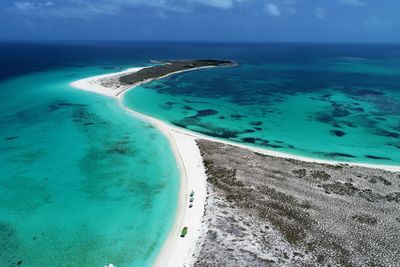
(172, 66)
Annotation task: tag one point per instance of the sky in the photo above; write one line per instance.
(361, 21)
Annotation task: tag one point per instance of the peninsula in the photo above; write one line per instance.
(258, 207)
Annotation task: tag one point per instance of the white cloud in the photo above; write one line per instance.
(272, 10)
(88, 8)
(31, 5)
(64, 9)
(353, 2)
(319, 13)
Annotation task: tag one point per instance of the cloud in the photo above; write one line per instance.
(31, 5)
(353, 2)
(63, 9)
(319, 13)
(272, 10)
(89, 8)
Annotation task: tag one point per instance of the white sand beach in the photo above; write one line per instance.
(179, 251)
(176, 251)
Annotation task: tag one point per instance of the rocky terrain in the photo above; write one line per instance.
(268, 211)
(168, 67)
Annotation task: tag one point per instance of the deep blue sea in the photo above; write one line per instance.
(82, 183)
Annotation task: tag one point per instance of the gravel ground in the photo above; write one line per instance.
(269, 211)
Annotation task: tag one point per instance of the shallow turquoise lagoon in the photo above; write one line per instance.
(82, 183)
(328, 107)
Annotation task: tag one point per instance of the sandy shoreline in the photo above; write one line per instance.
(178, 251)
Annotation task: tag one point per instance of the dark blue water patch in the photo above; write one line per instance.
(357, 109)
(338, 133)
(363, 92)
(323, 117)
(62, 104)
(205, 113)
(376, 157)
(195, 102)
(388, 134)
(186, 107)
(339, 110)
(336, 155)
(237, 116)
(11, 138)
(255, 140)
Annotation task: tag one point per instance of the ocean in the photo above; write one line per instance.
(83, 183)
(333, 102)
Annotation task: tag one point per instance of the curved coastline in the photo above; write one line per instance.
(178, 251)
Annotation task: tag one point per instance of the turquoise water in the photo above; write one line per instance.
(342, 105)
(82, 183)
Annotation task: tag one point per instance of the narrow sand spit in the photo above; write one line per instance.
(176, 251)
(179, 251)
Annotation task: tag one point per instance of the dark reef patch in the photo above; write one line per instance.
(324, 118)
(59, 105)
(10, 138)
(187, 107)
(376, 157)
(339, 111)
(337, 154)
(205, 113)
(363, 92)
(272, 145)
(250, 140)
(337, 133)
(254, 140)
(388, 134)
(195, 102)
(249, 131)
(258, 128)
(237, 116)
